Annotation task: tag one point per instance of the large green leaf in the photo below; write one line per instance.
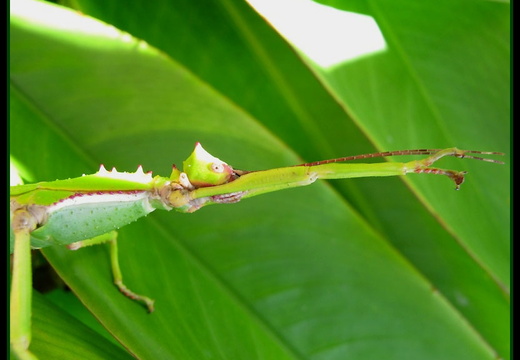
(367, 269)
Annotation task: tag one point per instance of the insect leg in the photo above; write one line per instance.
(111, 237)
(21, 285)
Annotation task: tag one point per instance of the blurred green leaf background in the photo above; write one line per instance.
(394, 268)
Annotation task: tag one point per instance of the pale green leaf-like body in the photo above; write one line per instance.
(80, 208)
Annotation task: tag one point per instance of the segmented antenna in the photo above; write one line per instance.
(455, 152)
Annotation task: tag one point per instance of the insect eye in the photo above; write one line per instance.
(217, 168)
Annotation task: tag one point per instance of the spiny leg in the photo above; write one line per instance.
(456, 176)
(116, 269)
(21, 286)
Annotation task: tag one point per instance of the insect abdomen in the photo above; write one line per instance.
(87, 216)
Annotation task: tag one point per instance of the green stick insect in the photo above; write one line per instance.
(87, 210)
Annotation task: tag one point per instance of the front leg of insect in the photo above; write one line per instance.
(21, 285)
(247, 184)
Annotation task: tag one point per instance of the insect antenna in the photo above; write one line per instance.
(456, 153)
